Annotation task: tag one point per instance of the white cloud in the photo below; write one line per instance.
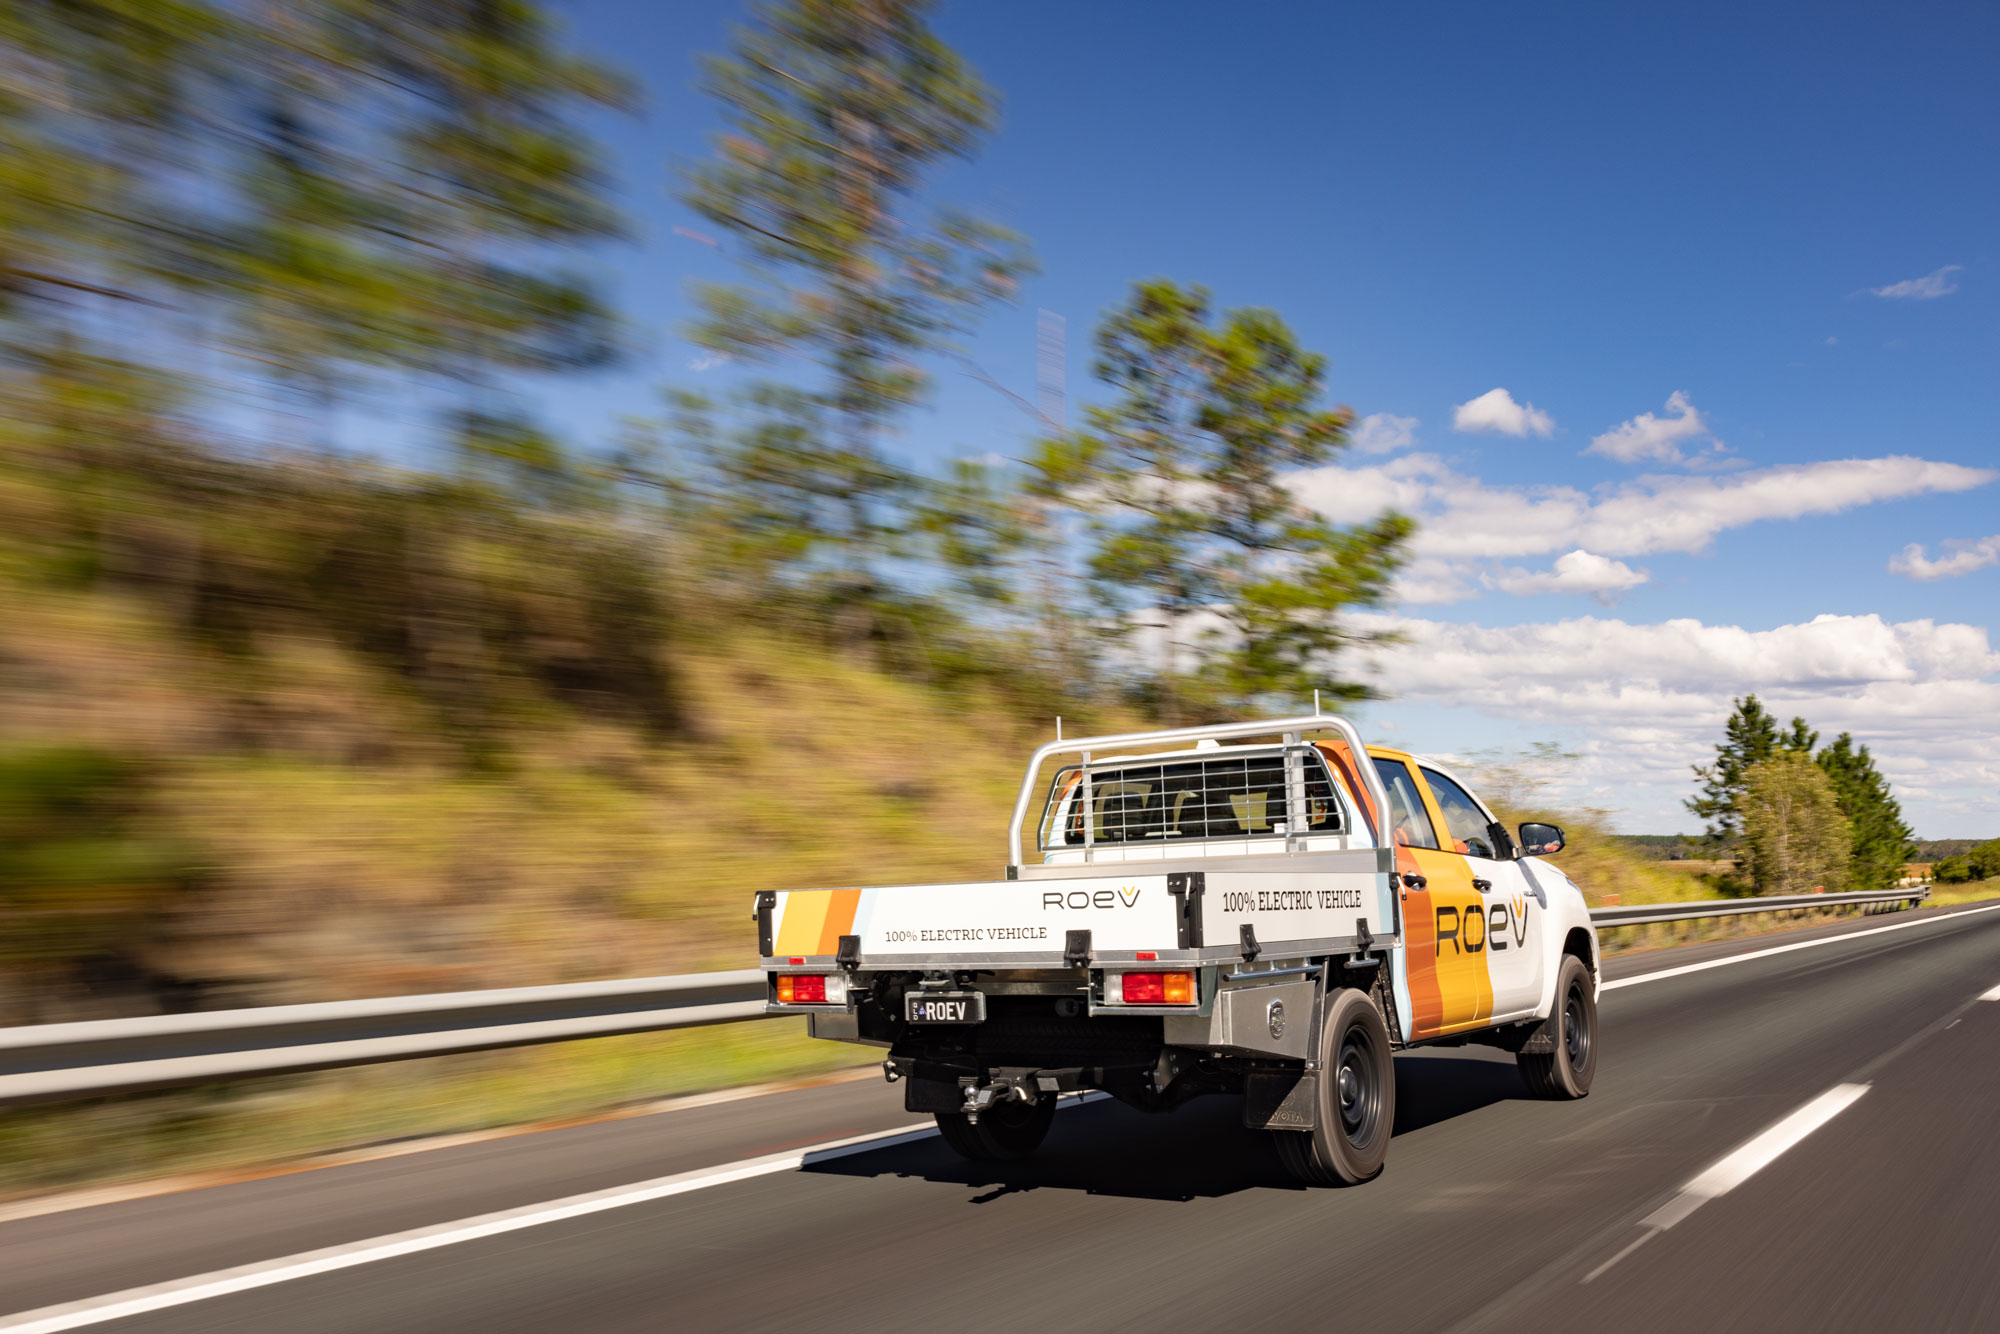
(1649, 437)
(1578, 572)
(1464, 517)
(1642, 703)
(1937, 283)
(1966, 557)
(1384, 433)
(1464, 523)
(1496, 411)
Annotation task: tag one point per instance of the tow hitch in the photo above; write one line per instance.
(1007, 1086)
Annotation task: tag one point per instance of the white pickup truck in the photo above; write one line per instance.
(1209, 918)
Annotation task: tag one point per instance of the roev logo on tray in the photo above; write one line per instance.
(1125, 896)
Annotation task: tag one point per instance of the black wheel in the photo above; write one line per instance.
(1356, 1099)
(1005, 1132)
(1567, 1071)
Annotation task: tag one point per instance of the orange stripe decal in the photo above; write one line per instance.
(840, 907)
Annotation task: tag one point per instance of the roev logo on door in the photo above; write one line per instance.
(1477, 927)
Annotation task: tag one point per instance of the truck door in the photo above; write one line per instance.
(1444, 922)
(1513, 915)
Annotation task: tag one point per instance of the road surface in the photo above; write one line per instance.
(1795, 1138)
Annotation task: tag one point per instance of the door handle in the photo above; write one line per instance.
(1483, 886)
(1415, 881)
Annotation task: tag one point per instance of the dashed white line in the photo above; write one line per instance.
(1707, 964)
(1740, 1165)
(1993, 995)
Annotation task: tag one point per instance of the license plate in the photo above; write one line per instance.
(944, 1007)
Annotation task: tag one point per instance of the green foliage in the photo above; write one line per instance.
(1750, 737)
(1981, 863)
(836, 110)
(1794, 838)
(1882, 841)
(1185, 476)
(324, 188)
(82, 862)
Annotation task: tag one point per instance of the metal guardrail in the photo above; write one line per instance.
(48, 1062)
(43, 1062)
(1642, 914)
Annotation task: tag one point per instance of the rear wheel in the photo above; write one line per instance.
(1567, 1071)
(1355, 1101)
(1005, 1132)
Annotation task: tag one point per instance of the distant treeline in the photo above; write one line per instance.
(1698, 847)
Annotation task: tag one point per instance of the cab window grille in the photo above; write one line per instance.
(1189, 799)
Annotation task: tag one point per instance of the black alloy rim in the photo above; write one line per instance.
(1576, 1030)
(1358, 1089)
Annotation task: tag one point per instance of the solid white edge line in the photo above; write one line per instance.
(1993, 995)
(1704, 966)
(264, 1273)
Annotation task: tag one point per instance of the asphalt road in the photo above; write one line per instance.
(1496, 1212)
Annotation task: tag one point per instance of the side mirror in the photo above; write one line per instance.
(1539, 840)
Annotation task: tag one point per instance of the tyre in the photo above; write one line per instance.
(1567, 1071)
(1008, 1131)
(1356, 1099)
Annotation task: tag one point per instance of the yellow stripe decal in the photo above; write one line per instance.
(799, 928)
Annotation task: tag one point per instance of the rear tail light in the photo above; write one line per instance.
(811, 989)
(1155, 989)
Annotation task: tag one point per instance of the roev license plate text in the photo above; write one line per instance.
(944, 1007)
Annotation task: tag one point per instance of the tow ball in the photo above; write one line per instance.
(1001, 1089)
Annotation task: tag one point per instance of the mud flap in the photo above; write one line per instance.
(1281, 1100)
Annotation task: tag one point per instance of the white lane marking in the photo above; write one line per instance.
(1704, 966)
(242, 1278)
(1740, 1164)
(1993, 995)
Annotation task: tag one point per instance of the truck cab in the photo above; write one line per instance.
(1268, 909)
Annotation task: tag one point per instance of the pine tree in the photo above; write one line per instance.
(1749, 738)
(1184, 475)
(836, 112)
(1882, 841)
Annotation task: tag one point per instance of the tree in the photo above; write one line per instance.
(1186, 477)
(1794, 838)
(1882, 841)
(836, 110)
(1798, 738)
(1980, 863)
(1750, 737)
(325, 189)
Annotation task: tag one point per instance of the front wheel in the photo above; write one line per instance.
(1005, 1132)
(1567, 1071)
(1355, 1103)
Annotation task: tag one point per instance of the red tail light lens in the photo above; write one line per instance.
(1158, 989)
(802, 989)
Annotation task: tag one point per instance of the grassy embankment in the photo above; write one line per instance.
(810, 770)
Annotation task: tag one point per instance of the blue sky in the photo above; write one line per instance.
(1603, 213)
